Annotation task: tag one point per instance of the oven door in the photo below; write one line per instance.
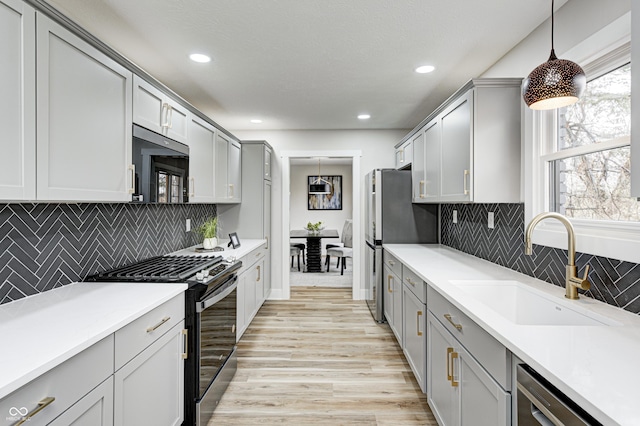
(217, 325)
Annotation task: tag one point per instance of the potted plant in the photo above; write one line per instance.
(314, 228)
(209, 232)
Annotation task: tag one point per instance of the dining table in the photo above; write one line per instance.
(314, 248)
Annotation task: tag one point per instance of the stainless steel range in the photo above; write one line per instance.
(210, 319)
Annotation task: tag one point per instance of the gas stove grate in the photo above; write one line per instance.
(159, 269)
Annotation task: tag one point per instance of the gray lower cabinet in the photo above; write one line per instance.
(94, 409)
(251, 288)
(468, 371)
(149, 389)
(393, 302)
(414, 328)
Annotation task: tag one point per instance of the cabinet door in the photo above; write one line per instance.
(149, 389)
(201, 161)
(456, 148)
(418, 168)
(267, 163)
(396, 325)
(241, 322)
(222, 168)
(235, 172)
(84, 120)
(259, 285)
(387, 301)
(178, 119)
(94, 409)
(266, 223)
(17, 109)
(482, 401)
(443, 396)
(432, 161)
(250, 301)
(415, 335)
(149, 108)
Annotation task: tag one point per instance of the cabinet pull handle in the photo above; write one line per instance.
(402, 152)
(155, 327)
(389, 278)
(464, 182)
(458, 326)
(164, 116)
(454, 383)
(258, 279)
(266, 237)
(422, 194)
(185, 342)
(132, 175)
(418, 323)
(391, 263)
(231, 190)
(41, 406)
(410, 281)
(449, 352)
(170, 114)
(192, 189)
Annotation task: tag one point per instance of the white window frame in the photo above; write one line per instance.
(612, 239)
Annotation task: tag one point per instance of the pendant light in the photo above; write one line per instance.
(554, 84)
(320, 186)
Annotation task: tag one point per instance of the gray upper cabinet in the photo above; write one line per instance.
(471, 146)
(202, 137)
(228, 179)
(83, 105)
(418, 167)
(156, 111)
(404, 155)
(17, 109)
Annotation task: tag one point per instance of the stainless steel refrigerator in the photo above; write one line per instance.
(391, 218)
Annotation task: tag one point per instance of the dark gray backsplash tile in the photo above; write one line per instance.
(612, 281)
(43, 246)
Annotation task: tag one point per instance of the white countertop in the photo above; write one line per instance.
(42, 331)
(596, 366)
(246, 246)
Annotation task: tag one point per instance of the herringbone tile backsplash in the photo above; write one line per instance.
(612, 281)
(43, 246)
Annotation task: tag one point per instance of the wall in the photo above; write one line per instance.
(331, 219)
(612, 281)
(44, 246)
(377, 152)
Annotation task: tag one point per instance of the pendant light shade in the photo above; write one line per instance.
(319, 186)
(555, 83)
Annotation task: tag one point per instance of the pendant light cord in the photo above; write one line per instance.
(553, 52)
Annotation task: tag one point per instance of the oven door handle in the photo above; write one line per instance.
(216, 297)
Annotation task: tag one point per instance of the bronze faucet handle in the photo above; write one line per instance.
(582, 283)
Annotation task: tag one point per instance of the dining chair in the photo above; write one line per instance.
(344, 251)
(302, 247)
(293, 252)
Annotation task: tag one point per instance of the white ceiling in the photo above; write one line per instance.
(312, 64)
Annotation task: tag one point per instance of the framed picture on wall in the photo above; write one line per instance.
(330, 201)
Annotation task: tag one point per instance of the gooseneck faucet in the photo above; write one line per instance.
(572, 281)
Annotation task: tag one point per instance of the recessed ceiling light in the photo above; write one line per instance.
(256, 121)
(364, 116)
(199, 57)
(425, 69)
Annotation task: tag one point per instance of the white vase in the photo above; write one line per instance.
(209, 243)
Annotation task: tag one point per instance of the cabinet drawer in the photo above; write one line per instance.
(490, 353)
(414, 283)
(133, 338)
(394, 264)
(67, 383)
(251, 258)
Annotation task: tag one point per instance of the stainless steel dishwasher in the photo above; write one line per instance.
(540, 403)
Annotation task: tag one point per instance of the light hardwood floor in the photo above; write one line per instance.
(320, 359)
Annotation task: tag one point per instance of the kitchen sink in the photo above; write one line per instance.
(524, 305)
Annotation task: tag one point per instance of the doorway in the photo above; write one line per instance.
(344, 156)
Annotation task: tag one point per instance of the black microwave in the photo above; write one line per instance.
(161, 168)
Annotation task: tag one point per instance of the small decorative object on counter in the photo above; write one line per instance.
(314, 228)
(209, 232)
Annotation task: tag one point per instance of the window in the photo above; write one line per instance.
(589, 166)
